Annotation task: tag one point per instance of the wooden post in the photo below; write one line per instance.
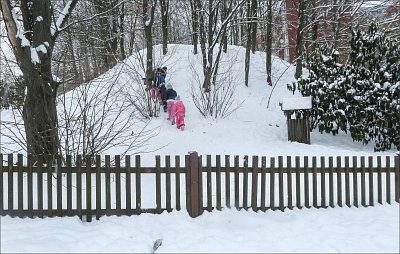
(158, 184)
(396, 178)
(263, 181)
(20, 186)
(128, 187)
(98, 187)
(138, 183)
(194, 186)
(388, 196)
(218, 182)
(88, 170)
(1, 186)
(168, 183)
(379, 179)
(69, 184)
(280, 170)
(272, 183)
(227, 181)
(108, 184)
(177, 183)
(236, 182)
(254, 180)
(209, 185)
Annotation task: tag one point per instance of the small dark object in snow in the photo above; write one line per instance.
(157, 244)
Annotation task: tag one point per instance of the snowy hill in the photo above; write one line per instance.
(253, 129)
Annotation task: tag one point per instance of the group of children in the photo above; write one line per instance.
(168, 98)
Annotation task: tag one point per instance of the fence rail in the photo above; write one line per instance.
(93, 186)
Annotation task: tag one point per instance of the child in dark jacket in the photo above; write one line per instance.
(170, 95)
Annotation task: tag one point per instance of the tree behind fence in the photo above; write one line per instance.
(48, 186)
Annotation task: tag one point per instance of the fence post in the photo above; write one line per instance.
(194, 186)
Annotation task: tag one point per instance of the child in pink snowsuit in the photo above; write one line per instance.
(179, 113)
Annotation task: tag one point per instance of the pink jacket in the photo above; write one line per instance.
(179, 107)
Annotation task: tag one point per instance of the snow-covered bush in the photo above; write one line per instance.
(362, 97)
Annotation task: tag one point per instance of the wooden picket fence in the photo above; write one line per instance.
(265, 184)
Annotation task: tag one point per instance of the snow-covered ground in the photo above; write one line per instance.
(338, 230)
(253, 129)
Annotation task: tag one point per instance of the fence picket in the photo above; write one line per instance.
(88, 169)
(118, 184)
(168, 183)
(49, 186)
(272, 183)
(339, 180)
(289, 180)
(178, 183)
(388, 196)
(128, 185)
(298, 187)
(59, 185)
(280, 169)
(263, 182)
(363, 199)
(138, 182)
(371, 180)
(40, 185)
(323, 189)
(331, 187)
(306, 184)
(20, 176)
(29, 187)
(397, 178)
(347, 179)
(254, 179)
(355, 185)
(1, 186)
(218, 181)
(209, 185)
(98, 187)
(245, 181)
(79, 185)
(158, 184)
(315, 182)
(379, 163)
(236, 182)
(107, 160)
(227, 181)
(68, 161)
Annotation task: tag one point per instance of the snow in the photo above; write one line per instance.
(341, 230)
(61, 17)
(296, 103)
(253, 129)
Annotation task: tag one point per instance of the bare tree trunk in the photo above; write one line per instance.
(148, 20)
(164, 24)
(268, 46)
(122, 32)
(224, 14)
(299, 39)
(39, 110)
(194, 5)
(254, 6)
(133, 35)
(248, 45)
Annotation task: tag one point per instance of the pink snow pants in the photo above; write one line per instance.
(171, 110)
(180, 119)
